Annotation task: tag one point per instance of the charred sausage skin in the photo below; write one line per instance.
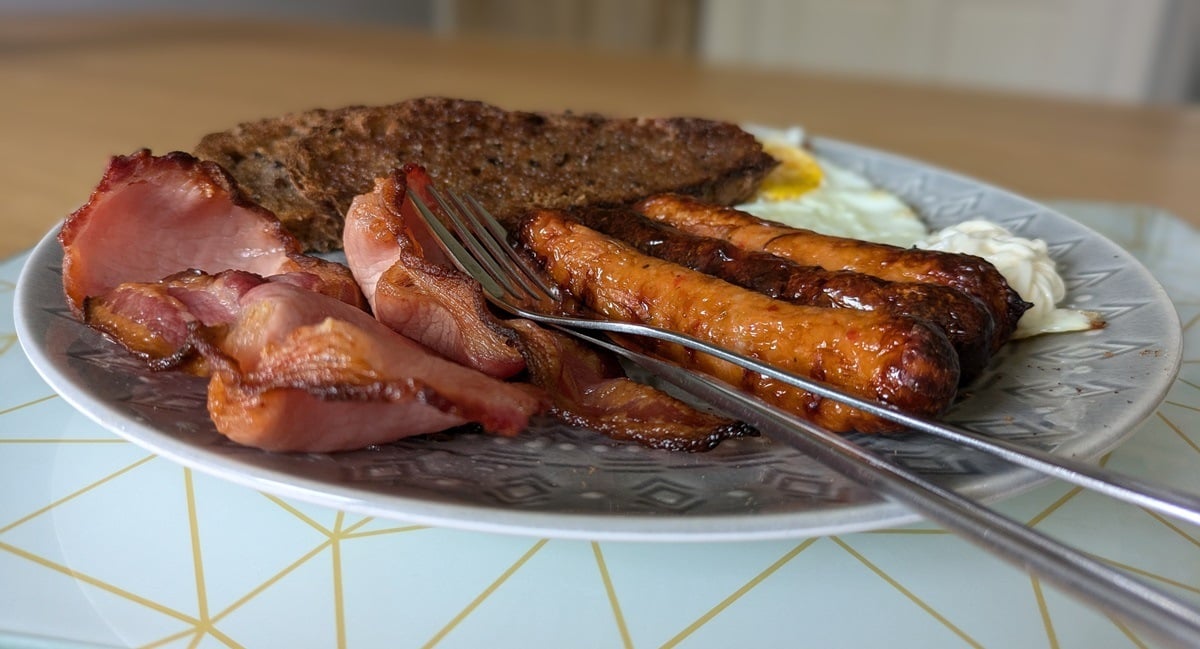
(964, 319)
(967, 273)
(893, 359)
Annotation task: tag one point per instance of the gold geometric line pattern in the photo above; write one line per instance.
(915, 531)
(737, 594)
(1178, 431)
(349, 531)
(1128, 633)
(6, 342)
(271, 581)
(626, 641)
(332, 538)
(907, 593)
(76, 494)
(27, 404)
(1182, 405)
(203, 625)
(1076, 490)
(297, 513)
(487, 592)
(1054, 506)
(6, 286)
(197, 560)
(1191, 322)
(1173, 527)
(200, 626)
(209, 629)
(389, 530)
(339, 607)
(171, 638)
(218, 634)
(1047, 622)
(1146, 573)
(1187, 382)
(102, 585)
(340, 534)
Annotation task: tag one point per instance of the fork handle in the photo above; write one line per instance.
(1157, 612)
(1179, 504)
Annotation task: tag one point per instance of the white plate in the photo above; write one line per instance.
(1078, 395)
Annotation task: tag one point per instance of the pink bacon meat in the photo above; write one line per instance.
(413, 287)
(154, 320)
(299, 371)
(154, 216)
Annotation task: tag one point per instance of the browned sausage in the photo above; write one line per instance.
(964, 319)
(893, 359)
(968, 273)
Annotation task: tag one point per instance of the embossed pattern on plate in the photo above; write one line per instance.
(1075, 394)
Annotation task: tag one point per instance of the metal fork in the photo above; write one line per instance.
(479, 245)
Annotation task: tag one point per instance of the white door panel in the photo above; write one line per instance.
(1105, 49)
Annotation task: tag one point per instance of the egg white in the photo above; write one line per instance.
(812, 193)
(843, 203)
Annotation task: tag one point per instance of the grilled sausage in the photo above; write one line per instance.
(893, 359)
(968, 273)
(963, 318)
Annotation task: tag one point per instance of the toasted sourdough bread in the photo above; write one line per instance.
(307, 167)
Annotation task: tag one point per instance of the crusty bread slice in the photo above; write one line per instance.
(307, 167)
(256, 154)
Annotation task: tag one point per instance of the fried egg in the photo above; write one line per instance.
(806, 191)
(809, 192)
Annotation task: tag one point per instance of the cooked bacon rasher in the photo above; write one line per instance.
(300, 371)
(154, 216)
(296, 363)
(155, 320)
(294, 370)
(413, 288)
(589, 388)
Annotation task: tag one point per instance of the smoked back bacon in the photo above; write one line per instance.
(300, 371)
(963, 318)
(413, 287)
(892, 359)
(154, 320)
(153, 216)
(968, 273)
(589, 388)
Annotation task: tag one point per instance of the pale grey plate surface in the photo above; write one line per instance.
(1075, 394)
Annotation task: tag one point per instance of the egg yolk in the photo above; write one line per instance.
(797, 174)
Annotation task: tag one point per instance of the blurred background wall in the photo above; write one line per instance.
(1114, 50)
